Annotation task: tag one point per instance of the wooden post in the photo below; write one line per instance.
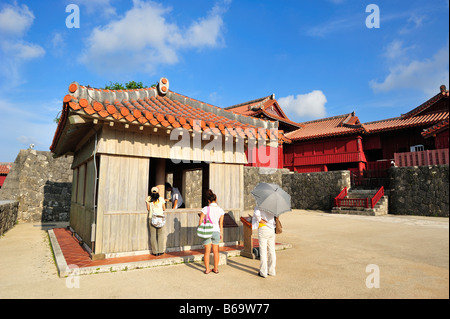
(161, 176)
(248, 241)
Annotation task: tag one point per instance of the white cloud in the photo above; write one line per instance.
(20, 50)
(414, 22)
(425, 75)
(333, 26)
(15, 21)
(396, 50)
(143, 39)
(58, 44)
(103, 7)
(26, 126)
(309, 105)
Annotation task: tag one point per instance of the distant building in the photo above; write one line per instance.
(344, 143)
(4, 170)
(266, 108)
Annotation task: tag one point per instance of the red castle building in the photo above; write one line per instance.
(344, 143)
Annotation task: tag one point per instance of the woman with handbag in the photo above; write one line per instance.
(156, 207)
(212, 214)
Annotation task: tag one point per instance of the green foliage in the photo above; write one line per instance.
(132, 85)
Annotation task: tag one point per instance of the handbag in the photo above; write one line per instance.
(206, 227)
(278, 226)
(158, 221)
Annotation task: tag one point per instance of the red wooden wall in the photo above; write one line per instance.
(265, 156)
(317, 155)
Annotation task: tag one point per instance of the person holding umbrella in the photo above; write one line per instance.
(266, 237)
(271, 202)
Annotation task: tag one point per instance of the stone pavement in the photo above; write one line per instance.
(332, 256)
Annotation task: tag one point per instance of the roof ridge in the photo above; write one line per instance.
(262, 99)
(384, 120)
(327, 118)
(424, 105)
(279, 118)
(110, 90)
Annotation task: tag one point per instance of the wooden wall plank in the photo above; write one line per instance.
(147, 143)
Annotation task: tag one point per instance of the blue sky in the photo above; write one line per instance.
(318, 57)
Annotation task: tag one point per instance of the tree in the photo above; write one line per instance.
(132, 85)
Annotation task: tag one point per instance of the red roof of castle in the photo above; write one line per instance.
(266, 106)
(419, 116)
(433, 111)
(331, 126)
(439, 127)
(5, 168)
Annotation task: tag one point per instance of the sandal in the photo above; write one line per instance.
(207, 272)
(215, 271)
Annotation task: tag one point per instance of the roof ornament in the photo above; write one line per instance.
(444, 90)
(163, 86)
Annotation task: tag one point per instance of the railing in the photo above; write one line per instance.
(340, 201)
(377, 197)
(354, 202)
(341, 195)
(422, 158)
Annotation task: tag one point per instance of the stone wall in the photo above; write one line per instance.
(308, 190)
(41, 184)
(315, 191)
(8, 215)
(255, 175)
(193, 183)
(419, 190)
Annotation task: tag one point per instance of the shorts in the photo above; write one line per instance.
(215, 239)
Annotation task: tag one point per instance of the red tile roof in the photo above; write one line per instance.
(261, 106)
(401, 122)
(423, 115)
(331, 126)
(443, 125)
(147, 107)
(5, 168)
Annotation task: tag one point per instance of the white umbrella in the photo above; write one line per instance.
(272, 198)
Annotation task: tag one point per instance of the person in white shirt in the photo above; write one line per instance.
(266, 237)
(216, 215)
(176, 198)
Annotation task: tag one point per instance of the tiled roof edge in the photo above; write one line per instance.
(92, 94)
(344, 116)
(262, 99)
(221, 112)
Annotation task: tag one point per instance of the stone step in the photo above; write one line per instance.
(381, 208)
